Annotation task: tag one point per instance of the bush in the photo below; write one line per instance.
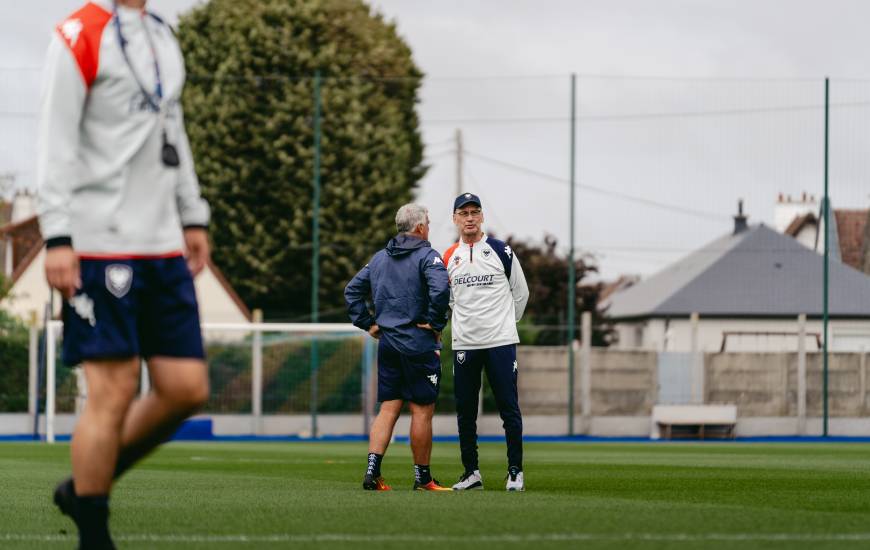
(14, 342)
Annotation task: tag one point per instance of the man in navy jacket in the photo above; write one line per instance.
(409, 288)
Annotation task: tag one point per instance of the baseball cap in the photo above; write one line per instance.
(466, 198)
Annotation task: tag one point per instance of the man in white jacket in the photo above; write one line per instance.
(488, 294)
(125, 229)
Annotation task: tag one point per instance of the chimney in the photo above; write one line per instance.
(740, 224)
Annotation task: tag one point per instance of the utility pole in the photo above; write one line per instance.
(572, 276)
(826, 217)
(459, 162)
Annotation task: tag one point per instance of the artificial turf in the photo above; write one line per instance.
(579, 495)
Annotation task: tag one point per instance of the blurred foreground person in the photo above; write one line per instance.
(119, 209)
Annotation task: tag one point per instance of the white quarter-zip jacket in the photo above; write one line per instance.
(488, 294)
(101, 179)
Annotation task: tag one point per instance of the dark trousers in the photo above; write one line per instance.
(500, 365)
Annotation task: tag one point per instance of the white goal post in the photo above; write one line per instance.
(239, 330)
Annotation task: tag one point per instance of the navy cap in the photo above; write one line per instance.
(466, 198)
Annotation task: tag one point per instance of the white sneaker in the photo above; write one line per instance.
(469, 481)
(515, 480)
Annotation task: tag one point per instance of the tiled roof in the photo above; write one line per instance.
(26, 242)
(757, 273)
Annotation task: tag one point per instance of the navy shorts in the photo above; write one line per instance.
(130, 308)
(414, 378)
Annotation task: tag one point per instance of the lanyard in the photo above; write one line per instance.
(158, 92)
(168, 152)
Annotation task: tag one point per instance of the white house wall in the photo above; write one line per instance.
(215, 305)
(676, 334)
(807, 237)
(30, 293)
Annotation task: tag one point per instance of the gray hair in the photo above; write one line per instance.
(410, 216)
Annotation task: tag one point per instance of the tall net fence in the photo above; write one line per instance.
(293, 373)
(661, 164)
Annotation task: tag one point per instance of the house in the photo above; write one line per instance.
(849, 236)
(22, 258)
(748, 289)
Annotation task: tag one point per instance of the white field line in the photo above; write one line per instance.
(506, 538)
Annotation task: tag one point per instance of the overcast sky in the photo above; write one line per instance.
(684, 107)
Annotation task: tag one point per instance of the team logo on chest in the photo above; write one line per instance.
(119, 279)
(460, 357)
(456, 260)
(486, 252)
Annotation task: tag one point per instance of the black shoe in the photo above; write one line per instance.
(375, 483)
(65, 498)
(67, 501)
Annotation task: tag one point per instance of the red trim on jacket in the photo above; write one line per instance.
(83, 32)
(449, 252)
(112, 256)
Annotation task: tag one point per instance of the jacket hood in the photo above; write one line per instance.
(403, 244)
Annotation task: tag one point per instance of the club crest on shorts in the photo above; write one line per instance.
(460, 357)
(119, 279)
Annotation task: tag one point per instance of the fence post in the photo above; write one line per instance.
(33, 365)
(50, 388)
(315, 252)
(364, 386)
(572, 276)
(862, 377)
(698, 382)
(802, 375)
(257, 375)
(82, 389)
(144, 379)
(586, 371)
(372, 381)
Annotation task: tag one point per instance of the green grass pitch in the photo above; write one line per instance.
(579, 495)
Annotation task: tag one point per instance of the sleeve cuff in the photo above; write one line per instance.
(58, 241)
(195, 226)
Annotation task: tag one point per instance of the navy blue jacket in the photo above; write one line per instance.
(409, 285)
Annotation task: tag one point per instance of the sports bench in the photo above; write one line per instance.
(693, 421)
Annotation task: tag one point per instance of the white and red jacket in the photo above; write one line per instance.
(101, 180)
(488, 294)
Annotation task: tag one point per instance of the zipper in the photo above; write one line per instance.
(471, 253)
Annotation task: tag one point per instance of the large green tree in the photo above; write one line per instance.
(249, 106)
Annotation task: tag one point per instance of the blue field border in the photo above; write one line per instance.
(201, 429)
(482, 439)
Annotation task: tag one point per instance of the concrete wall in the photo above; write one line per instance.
(624, 388)
(675, 335)
(625, 383)
(766, 384)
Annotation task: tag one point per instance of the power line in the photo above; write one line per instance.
(438, 155)
(540, 76)
(705, 215)
(646, 116)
